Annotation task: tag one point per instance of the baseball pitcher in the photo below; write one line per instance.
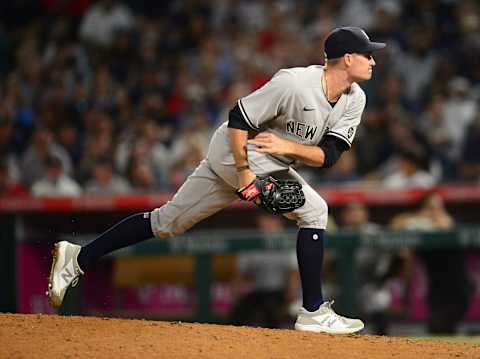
(305, 115)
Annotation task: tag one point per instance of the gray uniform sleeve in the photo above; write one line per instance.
(346, 127)
(268, 101)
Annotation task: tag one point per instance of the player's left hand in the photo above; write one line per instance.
(276, 196)
(267, 142)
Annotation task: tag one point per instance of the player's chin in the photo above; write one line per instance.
(365, 77)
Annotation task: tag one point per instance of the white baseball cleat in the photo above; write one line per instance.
(325, 320)
(64, 272)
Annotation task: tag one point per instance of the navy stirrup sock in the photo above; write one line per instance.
(310, 259)
(133, 229)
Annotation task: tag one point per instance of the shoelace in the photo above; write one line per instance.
(335, 315)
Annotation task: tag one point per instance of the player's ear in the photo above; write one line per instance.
(348, 59)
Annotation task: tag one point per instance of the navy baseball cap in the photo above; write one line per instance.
(347, 40)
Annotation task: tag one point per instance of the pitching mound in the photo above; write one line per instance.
(51, 336)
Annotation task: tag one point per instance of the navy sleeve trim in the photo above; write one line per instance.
(245, 116)
(236, 120)
(333, 147)
(339, 135)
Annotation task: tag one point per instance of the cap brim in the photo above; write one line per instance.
(374, 46)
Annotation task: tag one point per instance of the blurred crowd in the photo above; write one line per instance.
(387, 276)
(266, 286)
(110, 97)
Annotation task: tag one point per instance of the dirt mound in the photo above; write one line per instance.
(51, 336)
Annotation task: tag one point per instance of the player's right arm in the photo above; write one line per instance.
(238, 143)
(263, 105)
(238, 130)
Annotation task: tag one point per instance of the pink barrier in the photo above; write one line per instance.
(175, 300)
(417, 294)
(100, 296)
(33, 266)
(473, 266)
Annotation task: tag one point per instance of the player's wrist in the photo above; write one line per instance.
(245, 178)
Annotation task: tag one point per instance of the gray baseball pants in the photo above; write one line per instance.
(211, 187)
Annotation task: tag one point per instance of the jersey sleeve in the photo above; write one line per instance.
(268, 101)
(346, 127)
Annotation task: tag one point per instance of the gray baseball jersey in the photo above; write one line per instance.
(292, 105)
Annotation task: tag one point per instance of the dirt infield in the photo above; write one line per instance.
(51, 336)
